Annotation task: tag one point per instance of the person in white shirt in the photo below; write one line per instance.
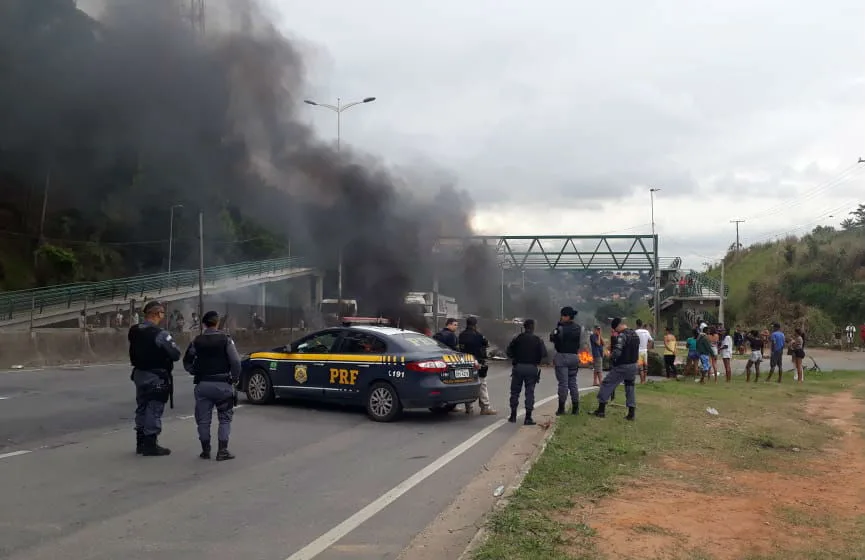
(851, 330)
(726, 351)
(645, 338)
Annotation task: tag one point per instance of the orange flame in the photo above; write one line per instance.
(585, 357)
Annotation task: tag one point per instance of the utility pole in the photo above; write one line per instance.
(657, 266)
(200, 271)
(721, 303)
(503, 292)
(737, 222)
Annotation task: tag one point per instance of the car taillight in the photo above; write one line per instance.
(477, 365)
(428, 366)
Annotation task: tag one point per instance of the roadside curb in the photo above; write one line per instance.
(481, 535)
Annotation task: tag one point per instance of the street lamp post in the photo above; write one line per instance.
(657, 294)
(171, 236)
(338, 109)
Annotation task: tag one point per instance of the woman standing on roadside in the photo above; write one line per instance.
(797, 349)
(726, 351)
(670, 353)
(713, 357)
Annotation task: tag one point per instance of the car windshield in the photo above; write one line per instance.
(419, 342)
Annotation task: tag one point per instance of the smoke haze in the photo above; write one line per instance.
(132, 113)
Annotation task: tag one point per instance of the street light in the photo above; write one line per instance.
(338, 109)
(657, 298)
(171, 235)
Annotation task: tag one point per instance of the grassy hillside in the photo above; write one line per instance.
(817, 281)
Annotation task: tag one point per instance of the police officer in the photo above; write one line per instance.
(447, 335)
(623, 368)
(152, 353)
(213, 360)
(567, 339)
(474, 343)
(526, 352)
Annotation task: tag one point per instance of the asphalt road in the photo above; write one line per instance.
(72, 486)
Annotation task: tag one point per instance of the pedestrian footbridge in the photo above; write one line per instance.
(55, 304)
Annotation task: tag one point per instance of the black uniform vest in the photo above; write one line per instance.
(474, 343)
(527, 348)
(144, 354)
(567, 337)
(629, 343)
(211, 357)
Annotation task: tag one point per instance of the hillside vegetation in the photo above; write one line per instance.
(816, 281)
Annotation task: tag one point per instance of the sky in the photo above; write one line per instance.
(557, 117)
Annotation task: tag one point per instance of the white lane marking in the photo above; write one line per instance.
(186, 417)
(326, 540)
(4, 398)
(15, 453)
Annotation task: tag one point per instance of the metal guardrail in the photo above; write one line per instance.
(22, 301)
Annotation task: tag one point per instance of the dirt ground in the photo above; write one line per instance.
(745, 513)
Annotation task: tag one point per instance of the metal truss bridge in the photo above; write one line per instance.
(570, 252)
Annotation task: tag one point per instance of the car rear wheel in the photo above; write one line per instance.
(259, 389)
(444, 409)
(382, 403)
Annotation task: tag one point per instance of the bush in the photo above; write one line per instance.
(656, 364)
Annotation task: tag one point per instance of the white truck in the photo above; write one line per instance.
(422, 302)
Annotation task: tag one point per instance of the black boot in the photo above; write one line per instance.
(205, 449)
(223, 454)
(561, 409)
(529, 421)
(613, 396)
(576, 408)
(602, 410)
(153, 449)
(139, 442)
(513, 416)
(631, 412)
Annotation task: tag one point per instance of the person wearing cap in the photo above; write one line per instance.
(623, 369)
(777, 341)
(213, 361)
(567, 339)
(473, 342)
(526, 352)
(152, 353)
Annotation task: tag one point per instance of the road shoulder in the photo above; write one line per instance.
(461, 523)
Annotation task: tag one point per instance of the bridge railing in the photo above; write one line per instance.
(75, 295)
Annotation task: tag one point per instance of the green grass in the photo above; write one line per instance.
(588, 458)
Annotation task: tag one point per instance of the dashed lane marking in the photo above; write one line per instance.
(14, 453)
(331, 537)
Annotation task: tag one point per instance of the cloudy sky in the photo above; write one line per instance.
(557, 116)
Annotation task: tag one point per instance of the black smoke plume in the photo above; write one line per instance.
(133, 111)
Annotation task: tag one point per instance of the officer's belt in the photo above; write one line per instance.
(224, 377)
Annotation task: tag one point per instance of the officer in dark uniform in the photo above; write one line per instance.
(567, 339)
(213, 360)
(473, 342)
(152, 353)
(448, 335)
(623, 368)
(526, 352)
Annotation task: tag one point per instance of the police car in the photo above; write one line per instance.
(383, 368)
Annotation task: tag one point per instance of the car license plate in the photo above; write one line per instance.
(462, 373)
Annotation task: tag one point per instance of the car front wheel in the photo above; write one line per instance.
(382, 403)
(259, 389)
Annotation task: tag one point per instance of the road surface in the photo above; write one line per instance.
(72, 486)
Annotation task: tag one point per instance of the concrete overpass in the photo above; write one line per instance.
(56, 304)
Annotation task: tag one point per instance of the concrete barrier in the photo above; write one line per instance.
(72, 346)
